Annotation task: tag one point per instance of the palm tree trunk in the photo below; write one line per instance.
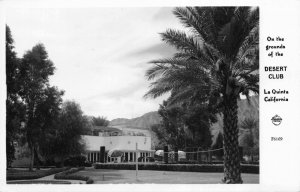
(232, 167)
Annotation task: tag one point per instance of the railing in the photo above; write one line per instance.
(199, 156)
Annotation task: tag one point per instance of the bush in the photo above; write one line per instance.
(38, 182)
(72, 177)
(76, 161)
(176, 167)
(90, 181)
(41, 167)
(26, 175)
(148, 159)
(88, 164)
(67, 175)
(187, 162)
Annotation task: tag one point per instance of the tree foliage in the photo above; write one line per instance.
(35, 115)
(184, 126)
(100, 121)
(42, 101)
(14, 106)
(198, 119)
(161, 135)
(173, 125)
(217, 60)
(66, 137)
(250, 136)
(48, 112)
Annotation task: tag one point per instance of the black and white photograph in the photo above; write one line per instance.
(112, 96)
(132, 95)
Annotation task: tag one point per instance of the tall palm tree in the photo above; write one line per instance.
(216, 62)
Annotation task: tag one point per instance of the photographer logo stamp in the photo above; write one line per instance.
(276, 120)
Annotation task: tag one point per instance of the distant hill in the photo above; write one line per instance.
(143, 122)
(245, 109)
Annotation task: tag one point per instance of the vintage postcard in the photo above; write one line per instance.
(147, 96)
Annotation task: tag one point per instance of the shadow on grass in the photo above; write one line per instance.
(38, 182)
(103, 175)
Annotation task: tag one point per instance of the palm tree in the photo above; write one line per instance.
(216, 62)
(250, 125)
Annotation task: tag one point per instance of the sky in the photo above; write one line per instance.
(100, 54)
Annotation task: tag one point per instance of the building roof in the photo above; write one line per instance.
(106, 129)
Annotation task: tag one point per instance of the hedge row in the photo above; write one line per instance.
(41, 167)
(27, 175)
(209, 163)
(38, 182)
(67, 175)
(175, 167)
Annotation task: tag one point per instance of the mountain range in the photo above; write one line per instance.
(143, 122)
(245, 109)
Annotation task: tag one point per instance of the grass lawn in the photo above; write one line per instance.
(103, 176)
(39, 182)
(25, 174)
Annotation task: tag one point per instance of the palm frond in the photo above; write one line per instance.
(182, 55)
(199, 20)
(190, 95)
(248, 48)
(220, 49)
(181, 41)
(155, 71)
(233, 34)
(242, 13)
(253, 18)
(158, 90)
(249, 83)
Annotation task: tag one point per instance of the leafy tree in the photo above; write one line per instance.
(47, 114)
(250, 137)
(250, 125)
(198, 119)
(184, 120)
(14, 106)
(218, 144)
(88, 125)
(217, 60)
(172, 126)
(35, 69)
(70, 126)
(100, 121)
(161, 135)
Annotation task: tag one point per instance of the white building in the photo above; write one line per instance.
(116, 140)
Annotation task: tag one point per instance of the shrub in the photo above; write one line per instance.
(177, 167)
(68, 175)
(90, 181)
(38, 182)
(148, 159)
(76, 161)
(26, 175)
(71, 177)
(88, 164)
